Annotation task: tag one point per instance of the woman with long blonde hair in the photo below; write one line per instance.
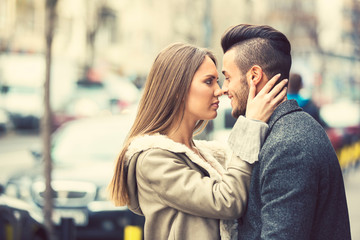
(186, 189)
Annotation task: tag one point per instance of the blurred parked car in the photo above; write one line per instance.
(4, 121)
(83, 153)
(94, 98)
(343, 121)
(19, 221)
(23, 104)
(21, 78)
(21, 86)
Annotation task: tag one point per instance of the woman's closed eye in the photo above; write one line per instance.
(212, 80)
(209, 81)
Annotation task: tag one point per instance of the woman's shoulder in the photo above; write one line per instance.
(156, 153)
(154, 143)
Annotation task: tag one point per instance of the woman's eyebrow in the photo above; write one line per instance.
(211, 76)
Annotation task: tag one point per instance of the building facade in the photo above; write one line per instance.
(126, 35)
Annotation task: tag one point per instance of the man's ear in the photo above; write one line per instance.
(255, 74)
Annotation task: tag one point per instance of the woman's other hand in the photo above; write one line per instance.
(261, 106)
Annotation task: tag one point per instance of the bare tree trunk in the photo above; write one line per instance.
(50, 18)
(93, 21)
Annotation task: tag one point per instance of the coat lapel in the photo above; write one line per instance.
(212, 165)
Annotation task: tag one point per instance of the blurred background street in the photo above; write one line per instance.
(15, 153)
(72, 72)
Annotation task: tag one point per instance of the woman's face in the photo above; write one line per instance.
(202, 101)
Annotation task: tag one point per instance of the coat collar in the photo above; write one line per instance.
(283, 109)
(214, 154)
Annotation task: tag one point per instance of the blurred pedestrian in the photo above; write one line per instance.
(297, 189)
(307, 104)
(188, 189)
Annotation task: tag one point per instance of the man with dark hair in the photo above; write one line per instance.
(307, 104)
(297, 189)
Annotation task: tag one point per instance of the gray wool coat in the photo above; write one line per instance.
(297, 189)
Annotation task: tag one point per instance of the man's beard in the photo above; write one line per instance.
(241, 97)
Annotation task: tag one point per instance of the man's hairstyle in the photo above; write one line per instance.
(259, 45)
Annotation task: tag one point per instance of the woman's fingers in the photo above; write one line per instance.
(281, 97)
(252, 91)
(269, 85)
(277, 89)
(260, 106)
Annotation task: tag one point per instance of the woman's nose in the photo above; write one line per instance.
(218, 92)
(224, 88)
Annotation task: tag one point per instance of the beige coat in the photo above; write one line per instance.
(181, 195)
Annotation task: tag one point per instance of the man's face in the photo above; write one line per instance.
(235, 84)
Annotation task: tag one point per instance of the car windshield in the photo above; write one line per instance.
(90, 140)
